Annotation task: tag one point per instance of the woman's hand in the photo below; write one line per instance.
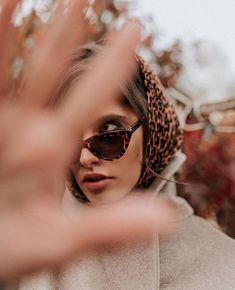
(38, 144)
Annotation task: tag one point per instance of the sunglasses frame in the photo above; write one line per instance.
(125, 133)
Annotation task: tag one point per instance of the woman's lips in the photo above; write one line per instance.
(96, 182)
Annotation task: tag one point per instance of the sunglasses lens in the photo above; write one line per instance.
(108, 145)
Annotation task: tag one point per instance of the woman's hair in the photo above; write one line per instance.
(144, 95)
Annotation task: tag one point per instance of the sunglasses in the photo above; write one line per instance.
(111, 144)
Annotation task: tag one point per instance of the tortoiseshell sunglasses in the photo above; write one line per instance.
(111, 144)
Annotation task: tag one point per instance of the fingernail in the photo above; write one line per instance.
(133, 25)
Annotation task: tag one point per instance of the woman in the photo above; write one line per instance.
(135, 144)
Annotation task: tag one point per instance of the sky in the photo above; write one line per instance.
(212, 20)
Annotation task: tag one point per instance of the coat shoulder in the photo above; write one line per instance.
(199, 256)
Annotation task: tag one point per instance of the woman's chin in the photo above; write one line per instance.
(105, 196)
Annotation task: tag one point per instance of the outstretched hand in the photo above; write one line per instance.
(38, 143)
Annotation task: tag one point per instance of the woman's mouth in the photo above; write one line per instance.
(96, 181)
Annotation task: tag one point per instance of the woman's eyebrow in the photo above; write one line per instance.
(113, 117)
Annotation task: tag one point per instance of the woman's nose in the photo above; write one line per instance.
(87, 158)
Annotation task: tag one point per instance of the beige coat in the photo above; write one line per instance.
(198, 257)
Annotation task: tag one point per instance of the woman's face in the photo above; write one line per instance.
(105, 181)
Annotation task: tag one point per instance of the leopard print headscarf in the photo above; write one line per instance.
(165, 134)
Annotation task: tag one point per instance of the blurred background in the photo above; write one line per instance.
(191, 46)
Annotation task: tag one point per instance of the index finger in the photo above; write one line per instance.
(110, 69)
(63, 33)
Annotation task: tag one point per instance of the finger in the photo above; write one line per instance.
(129, 220)
(64, 32)
(133, 219)
(7, 41)
(109, 70)
(39, 247)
